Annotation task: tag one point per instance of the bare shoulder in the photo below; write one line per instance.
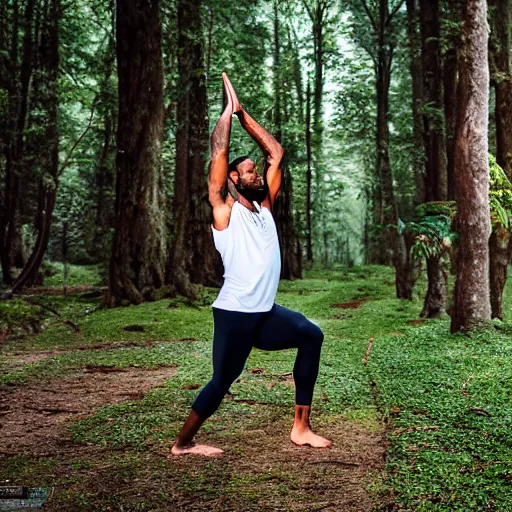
(221, 215)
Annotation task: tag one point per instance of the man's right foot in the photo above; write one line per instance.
(197, 449)
(306, 437)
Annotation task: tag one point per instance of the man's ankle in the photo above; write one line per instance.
(181, 444)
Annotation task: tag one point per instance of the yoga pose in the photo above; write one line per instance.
(244, 313)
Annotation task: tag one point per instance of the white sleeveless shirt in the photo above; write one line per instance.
(252, 260)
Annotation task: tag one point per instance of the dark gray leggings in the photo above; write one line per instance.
(235, 334)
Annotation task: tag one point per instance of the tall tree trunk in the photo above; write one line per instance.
(452, 14)
(501, 79)
(471, 298)
(433, 117)
(498, 254)
(297, 76)
(435, 299)
(283, 211)
(395, 248)
(48, 101)
(318, 128)
(386, 212)
(436, 179)
(417, 98)
(193, 256)
(138, 250)
(318, 14)
(309, 179)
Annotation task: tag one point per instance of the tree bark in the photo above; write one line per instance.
(501, 79)
(138, 250)
(309, 179)
(193, 256)
(291, 265)
(433, 117)
(417, 98)
(435, 299)
(498, 250)
(453, 15)
(471, 297)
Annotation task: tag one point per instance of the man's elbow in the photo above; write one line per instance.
(276, 156)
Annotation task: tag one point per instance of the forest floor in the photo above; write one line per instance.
(424, 425)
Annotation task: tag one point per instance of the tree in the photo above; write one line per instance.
(45, 117)
(451, 24)
(193, 256)
(318, 12)
(138, 250)
(417, 97)
(471, 295)
(291, 264)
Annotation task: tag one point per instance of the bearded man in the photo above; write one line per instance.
(245, 314)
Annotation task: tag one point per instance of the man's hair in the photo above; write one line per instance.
(232, 167)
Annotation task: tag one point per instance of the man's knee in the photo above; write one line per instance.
(311, 332)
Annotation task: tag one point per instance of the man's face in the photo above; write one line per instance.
(249, 177)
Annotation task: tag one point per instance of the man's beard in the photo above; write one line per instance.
(252, 194)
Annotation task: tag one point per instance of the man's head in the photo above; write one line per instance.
(249, 183)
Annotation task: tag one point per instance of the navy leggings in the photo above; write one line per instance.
(235, 334)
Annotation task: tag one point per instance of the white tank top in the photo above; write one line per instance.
(252, 260)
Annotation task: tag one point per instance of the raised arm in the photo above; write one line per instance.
(271, 148)
(218, 171)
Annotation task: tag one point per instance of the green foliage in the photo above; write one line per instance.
(449, 429)
(17, 315)
(500, 195)
(447, 208)
(433, 236)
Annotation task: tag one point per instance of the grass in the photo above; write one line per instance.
(445, 399)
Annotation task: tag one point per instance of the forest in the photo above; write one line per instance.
(393, 221)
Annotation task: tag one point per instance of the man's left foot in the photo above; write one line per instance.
(308, 437)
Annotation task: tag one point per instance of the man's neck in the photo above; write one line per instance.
(239, 197)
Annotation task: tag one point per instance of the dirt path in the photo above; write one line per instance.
(32, 416)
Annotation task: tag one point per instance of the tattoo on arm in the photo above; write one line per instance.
(221, 133)
(267, 143)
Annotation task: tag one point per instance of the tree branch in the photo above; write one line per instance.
(66, 161)
(369, 14)
(394, 11)
(310, 12)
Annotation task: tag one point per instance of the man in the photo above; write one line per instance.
(244, 312)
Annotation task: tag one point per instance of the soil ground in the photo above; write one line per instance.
(34, 418)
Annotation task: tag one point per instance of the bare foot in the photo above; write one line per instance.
(197, 449)
(308, 437)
